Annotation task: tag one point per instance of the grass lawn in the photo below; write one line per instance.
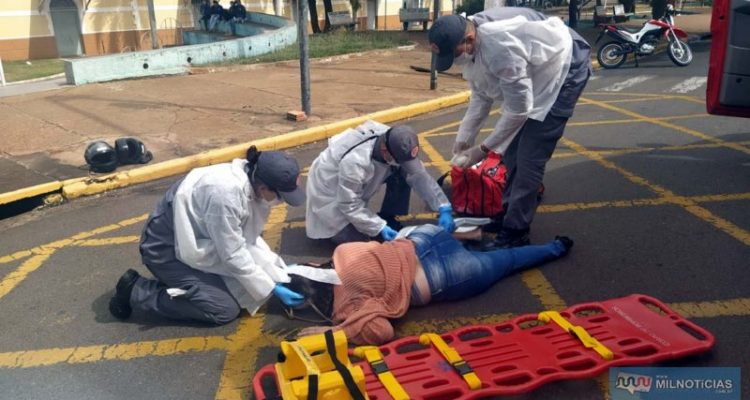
(331, 44)
(23, 70)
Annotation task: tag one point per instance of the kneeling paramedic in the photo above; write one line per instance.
(350, 171)
(203, 244)
(538, 68)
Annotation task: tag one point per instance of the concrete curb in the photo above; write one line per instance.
(42, 79)
(86, 186)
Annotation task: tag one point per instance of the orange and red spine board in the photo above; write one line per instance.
(523, 354)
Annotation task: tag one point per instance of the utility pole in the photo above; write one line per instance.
(152, 21)
(304, 56)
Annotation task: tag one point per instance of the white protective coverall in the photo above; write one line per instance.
(218, 221)
(338, 189)
(522, 64)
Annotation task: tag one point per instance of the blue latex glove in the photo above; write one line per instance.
(387, 233)
(446, 219)
(288, 296)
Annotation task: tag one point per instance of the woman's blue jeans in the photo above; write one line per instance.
(455, 273)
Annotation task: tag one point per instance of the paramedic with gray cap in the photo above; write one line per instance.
(537, 67)
(349, 172)
(203, 243)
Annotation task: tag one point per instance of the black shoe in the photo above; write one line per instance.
(119, 304)
(508, 238)
(495, 225)
(392, 222)
(566, 241)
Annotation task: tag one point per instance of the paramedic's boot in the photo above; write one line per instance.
(508, 238)
(391, 221)
(119, 304)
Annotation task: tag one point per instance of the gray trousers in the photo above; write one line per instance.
(527, 156)
(395, 202)
(207, 298)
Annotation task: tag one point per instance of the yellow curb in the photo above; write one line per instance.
(74, 188)
(31, 191)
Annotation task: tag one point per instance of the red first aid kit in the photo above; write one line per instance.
(477, 190)
(522, 354)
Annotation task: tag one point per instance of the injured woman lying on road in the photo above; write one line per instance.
(380, 281)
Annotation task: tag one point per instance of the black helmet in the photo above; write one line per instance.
(100, 157)
(132, 151)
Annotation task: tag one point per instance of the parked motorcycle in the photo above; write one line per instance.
(643, 42)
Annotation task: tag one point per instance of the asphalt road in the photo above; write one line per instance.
(653, 191)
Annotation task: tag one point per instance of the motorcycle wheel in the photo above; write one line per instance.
(680, 53)
(611, 55)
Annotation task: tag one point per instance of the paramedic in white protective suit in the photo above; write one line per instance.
(203, 244)
(537, 67)
(351, 170)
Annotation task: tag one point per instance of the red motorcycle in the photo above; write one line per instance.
(643, 42)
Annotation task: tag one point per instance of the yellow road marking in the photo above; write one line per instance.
(127, 351)
(414, 328)
(43, 252)
(709, 309)
(542, 289)
(685, 202)
(107, 241)
(239, 366)
(593, 123)
(656, 121)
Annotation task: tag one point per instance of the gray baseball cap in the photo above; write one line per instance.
(281, 173)
(445, 34)
(402, 143)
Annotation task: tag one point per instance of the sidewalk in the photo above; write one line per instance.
(45, 133)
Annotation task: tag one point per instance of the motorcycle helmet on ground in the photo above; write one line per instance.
(132, 151)
(100, 157)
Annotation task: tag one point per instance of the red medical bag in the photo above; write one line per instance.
(477, 190)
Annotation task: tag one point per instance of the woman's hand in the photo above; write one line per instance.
(315, 330)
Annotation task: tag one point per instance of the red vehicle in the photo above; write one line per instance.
(728, 88)
(643, 42)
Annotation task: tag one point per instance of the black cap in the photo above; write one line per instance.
(446, 33)
(281, 173)
(402, 142)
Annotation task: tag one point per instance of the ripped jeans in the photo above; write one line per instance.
(455, 273)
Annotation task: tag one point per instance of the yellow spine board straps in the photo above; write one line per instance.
(577, 332)
(375, 358)
(453, 358)
(341, 368)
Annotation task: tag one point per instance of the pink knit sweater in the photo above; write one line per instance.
(375, 286)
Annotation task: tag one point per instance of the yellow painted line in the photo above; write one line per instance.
(414, 328)
(84, 187)
(128, 351)
(42, 253)
(239, 365)
(720, 197)
(107, 241)
(275, 226)
(685, 202)
(28, 192)
(543, 290)
(637, 100)
(656, 121)
(711, 309)
(14, 278)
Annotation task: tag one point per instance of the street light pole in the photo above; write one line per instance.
(304, 56)
(152, 21)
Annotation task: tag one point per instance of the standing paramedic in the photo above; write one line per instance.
(537, 67)
(350, 171)
(203, 244)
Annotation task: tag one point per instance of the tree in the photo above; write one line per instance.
(313, 6)
(658, 8)
(328, 6)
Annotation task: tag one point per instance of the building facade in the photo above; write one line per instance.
(38, 29)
